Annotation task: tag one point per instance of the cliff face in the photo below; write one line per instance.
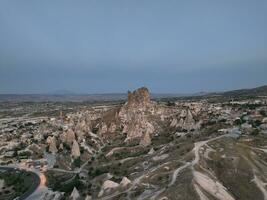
(139, 98)
(140, 118)
(132, 117)
(134, 113)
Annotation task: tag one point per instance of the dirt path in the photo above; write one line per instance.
(210, 185)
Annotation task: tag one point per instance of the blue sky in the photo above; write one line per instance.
(112, 46)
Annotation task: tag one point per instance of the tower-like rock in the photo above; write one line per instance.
(75, 150)
(52, 142)
(133, 114)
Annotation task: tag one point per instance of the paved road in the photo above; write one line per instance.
(35, 181)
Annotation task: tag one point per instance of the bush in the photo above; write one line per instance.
(256, 123)
(255, 132)
(93, 158)
(82, 150)
(67, 188)
(93, 172)
(263, 113)
(238, 122)
(77, 162)
(66, 146)
(222, 120)
(16, 180)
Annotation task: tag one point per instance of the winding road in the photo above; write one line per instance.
(36, 182)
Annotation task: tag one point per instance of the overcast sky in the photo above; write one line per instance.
(100, 46)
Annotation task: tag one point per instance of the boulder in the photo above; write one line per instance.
(88, 197)
(151, 151)
(75, 194)
(146, 140)
(107, 185)
(125, 181)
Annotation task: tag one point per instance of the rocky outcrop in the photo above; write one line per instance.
(75, 150)
(107, 185)
(125, 181)
(88, 197)
(80, 135)
(131, 118)
(36, 149)
(138, 98)
(133, 115)
(146, 140)
(52, 143)
(52, 195)
(75, 194)
(185, 121)
(82, 125)
(151, 151)
(174, 122)
(103, 129)
(82, 128)
(112, 127)
(68, 137)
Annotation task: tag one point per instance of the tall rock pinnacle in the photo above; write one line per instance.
(139, 97)
(132, 114)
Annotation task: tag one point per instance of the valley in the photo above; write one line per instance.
(203, 147)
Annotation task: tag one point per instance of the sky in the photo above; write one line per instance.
(104, 46)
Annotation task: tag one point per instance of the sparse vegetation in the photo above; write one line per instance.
(16, 183)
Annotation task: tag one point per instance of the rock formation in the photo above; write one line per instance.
(138, 98)
(68, 137)
(75, 194)
(185, 121)
(75, 151)
(146, 140)
(107, 185)
(52, 142)
(52, 195)
(88, 197)
(125, 181)
(133, 115)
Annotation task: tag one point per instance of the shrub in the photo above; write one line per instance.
(66, 146)
(77, 162)
(69, 186)
(255, 132)
(263, 113)
(238, 122)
